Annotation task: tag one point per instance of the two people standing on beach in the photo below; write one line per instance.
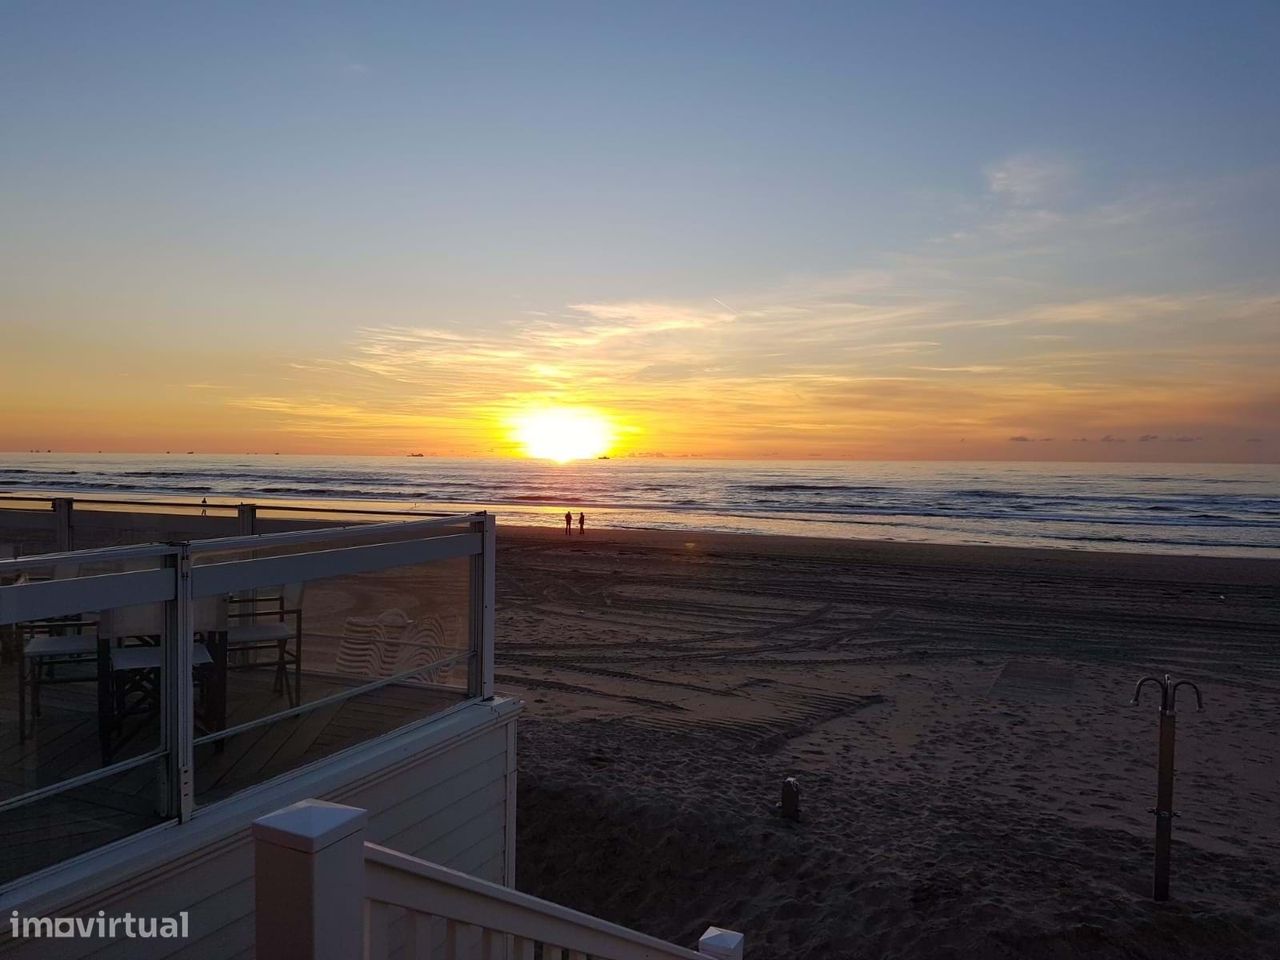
(568, 523)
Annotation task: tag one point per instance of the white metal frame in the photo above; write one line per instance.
(358, 530)
(236, 575)
(178, 582)
(41, 561)
(177, 706)
(22, 602)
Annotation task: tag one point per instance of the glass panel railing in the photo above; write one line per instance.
(300, 645)
(79, 819)
(84, 681)
(27, 526)
(333, 642)
(324, 727)
(274, 518)
(81, 679)
(100, 524)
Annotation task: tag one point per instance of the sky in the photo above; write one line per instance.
(845, 230)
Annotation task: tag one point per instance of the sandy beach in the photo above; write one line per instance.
(974, 780)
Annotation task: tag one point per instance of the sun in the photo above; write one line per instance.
(564, 433)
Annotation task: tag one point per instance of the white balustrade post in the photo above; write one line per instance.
(721, 944)
(488, 604)
(483, 591)
(309, 882)
(63, 510)
(247, 519)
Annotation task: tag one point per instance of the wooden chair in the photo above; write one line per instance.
(54, 651)
(131, 668)
(269, 623)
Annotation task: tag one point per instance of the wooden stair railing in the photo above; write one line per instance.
(426, 890)
(323, 893)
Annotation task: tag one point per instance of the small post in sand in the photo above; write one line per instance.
(789, 807)
(1164, 776)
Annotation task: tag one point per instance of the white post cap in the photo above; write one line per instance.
(309, 825)
(721, 944)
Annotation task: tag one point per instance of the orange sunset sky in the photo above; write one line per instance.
(843, 235)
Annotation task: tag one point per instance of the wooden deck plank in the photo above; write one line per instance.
(311, 728)
(215, 777)
(58, 828)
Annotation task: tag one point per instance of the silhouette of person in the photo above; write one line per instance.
(582, 523)
(568, 522)
(204, 502)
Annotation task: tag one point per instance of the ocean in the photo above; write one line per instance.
(1220, 509)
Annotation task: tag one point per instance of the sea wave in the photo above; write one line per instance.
(1227, 507)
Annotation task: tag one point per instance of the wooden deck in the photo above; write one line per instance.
(266, 751)
(66, 744)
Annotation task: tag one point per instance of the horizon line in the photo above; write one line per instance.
(629, 456)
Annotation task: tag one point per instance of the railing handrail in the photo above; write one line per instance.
(417, 885)
(43, 599)
(266, 503)
(140, 551)
(320, 534)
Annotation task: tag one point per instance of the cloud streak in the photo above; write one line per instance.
(1028, 179)
(966, 347)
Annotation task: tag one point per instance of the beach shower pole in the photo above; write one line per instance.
(1164, 804)
(1164, 775)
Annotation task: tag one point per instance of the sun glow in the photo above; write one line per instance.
(564, 433)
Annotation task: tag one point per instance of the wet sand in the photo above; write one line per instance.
(974, 781)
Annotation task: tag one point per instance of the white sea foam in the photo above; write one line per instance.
(1214, 508)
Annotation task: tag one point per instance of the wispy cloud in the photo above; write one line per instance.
(971, 368)
(1028, 179)
(974, 341)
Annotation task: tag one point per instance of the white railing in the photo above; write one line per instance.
(178, 581)
(28, 513)
(323, 893)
